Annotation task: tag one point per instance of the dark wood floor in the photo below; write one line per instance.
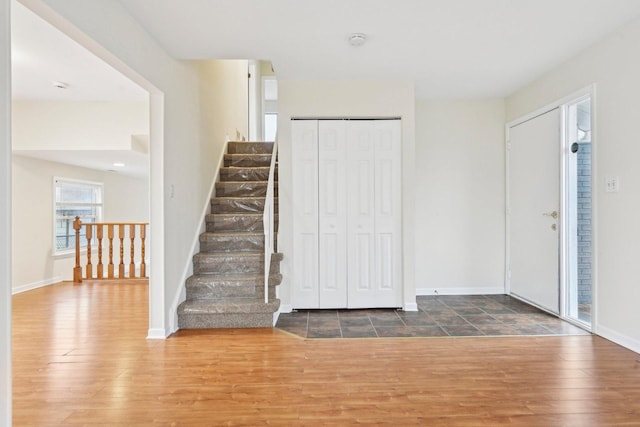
(81, 358)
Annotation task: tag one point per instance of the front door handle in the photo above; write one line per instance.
(553, 214)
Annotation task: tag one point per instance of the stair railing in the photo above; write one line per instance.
(124, 234)
(268, 221)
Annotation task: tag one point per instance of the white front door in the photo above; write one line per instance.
(534, 210)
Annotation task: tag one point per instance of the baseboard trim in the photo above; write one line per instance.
(618, 338)
(36, 285)
(460, 291)
(157, 334)
(285, 308)
(410, 306)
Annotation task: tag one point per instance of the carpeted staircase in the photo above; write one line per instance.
(227, 286)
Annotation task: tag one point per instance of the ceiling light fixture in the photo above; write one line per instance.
(357, 39)
(118, 164)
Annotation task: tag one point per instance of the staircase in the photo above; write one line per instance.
(227, 286)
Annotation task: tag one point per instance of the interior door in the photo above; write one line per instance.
(534, 200)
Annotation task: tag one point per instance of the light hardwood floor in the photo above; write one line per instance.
(81, 357)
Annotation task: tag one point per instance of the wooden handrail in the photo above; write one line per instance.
(94, 233)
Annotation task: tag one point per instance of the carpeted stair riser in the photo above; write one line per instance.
(228, 315)
(225, 223)
(247, 160)
(214, 287)
(245, 174)
(220, 294)
(243, 147)
(231, 242)
(242, 189)
(238, 263)
(211, 321)
(239, 205)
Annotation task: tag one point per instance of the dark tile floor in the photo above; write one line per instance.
(458, 315)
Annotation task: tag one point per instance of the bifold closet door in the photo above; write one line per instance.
(346, 213)
(374, 214)
(304, 152)
(332, 213)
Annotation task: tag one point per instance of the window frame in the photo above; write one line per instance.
(57, 181)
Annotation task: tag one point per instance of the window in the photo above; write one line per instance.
(74, 198)
(269, 108)
(270, 126)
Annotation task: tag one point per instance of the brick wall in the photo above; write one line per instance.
(584, 223)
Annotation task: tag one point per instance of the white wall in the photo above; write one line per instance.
(224, 98)
(79, 125)
(321, 98)
(614, 66)
(459, 187)
(5, 214)
(126, 199)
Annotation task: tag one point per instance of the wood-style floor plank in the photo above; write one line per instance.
(81, 358)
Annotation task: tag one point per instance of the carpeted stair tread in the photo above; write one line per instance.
(229, 306)
(241, 255)
(197, 279)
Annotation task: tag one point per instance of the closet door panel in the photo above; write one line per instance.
(361, 215)
(332, 217)
(388, 207)
(305, 214)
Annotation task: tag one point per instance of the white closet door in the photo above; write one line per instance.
(332, 217)
(361, 215)
(387, 203)
(347, 214)
(304, 151)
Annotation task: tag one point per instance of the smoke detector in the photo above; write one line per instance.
(60, 85)
(357, 39)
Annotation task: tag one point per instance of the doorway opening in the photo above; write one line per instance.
(154, 105)
(579, 217)
(550, 223)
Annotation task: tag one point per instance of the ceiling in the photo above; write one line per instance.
(450, 49)
(42, 55)
(455, 49)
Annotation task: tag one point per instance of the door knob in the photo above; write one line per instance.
(553, 214)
